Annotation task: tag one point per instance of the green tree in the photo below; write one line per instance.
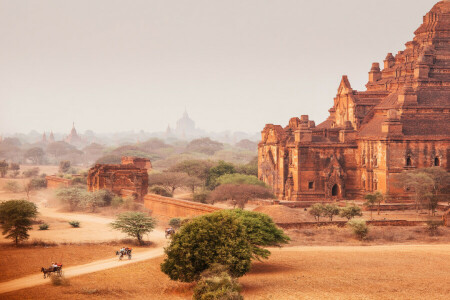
(237, 178)
(261, 231)
(217, 283)
(317, 211)
(251, 168)
(215, 172)
(194, 168)
(3, 168)
(205, 240)
(330, 210)
(135, 224)
(239, 194)
(175, 223)
(371, 199)
(350, 211)
(170, 181)
(15, 219)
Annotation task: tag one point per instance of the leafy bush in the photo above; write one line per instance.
(12, 186)
(74, 197)
(32, 172)
(215, 172)
(201, 196)
(359, 228)
(175, 223)
(79, 180)
(74, 224)
(350, 211)
(14, 173)
(44, 226)
(116, 201)
(38, 183)
(204, 240)
(217, 283)
(228, 237)
(160, 191)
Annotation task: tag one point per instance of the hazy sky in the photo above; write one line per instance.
(235, 65)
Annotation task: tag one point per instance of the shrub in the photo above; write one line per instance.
(217, 283)
(201, 196)
(74, 224)
(38, 183)
(175, 223)
(359, 228)
(317, 210)
(74, 197)
(433, 226)
(79, 180)
(350, 211)
(204, 240)
(44, 226)
(31, 172)
(160, 191)
(116, 201)
(12, 186)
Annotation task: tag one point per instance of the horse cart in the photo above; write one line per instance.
(169, 232)
(124, 251)
(56, 269)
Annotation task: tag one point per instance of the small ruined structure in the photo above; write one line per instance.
(54, 182)
(130, 178)
(401, 122)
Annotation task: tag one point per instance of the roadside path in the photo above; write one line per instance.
(99, 265)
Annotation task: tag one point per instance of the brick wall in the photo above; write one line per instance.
(176, 208)
(54, 182)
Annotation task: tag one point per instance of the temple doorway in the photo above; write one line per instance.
(335, 190)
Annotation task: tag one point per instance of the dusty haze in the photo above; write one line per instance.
(235, 65)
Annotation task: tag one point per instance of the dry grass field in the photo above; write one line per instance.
(330, 272)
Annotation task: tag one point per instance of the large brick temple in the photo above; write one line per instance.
(400, 122)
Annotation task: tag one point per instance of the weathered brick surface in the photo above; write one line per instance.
(401, 122)
(446, 218)
(122, 179)
(54, 182)
(176, 208)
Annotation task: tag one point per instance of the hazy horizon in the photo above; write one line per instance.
(116, 66)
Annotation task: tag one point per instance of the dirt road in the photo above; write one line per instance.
(99, 265)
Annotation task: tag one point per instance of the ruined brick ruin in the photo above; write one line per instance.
(130, 178)
(400, 122)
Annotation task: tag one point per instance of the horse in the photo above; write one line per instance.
(169, 232)
(47, 271)
(126, 251)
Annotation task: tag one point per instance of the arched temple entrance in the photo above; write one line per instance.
(335, 190)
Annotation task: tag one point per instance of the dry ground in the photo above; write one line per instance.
(19, 262)
(378, 235)
(356, 272)
(284, 214)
